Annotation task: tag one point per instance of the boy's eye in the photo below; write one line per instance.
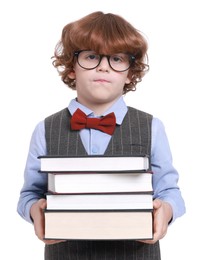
(116, 58)
(92, 57)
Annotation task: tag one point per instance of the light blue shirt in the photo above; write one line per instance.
(165, 176)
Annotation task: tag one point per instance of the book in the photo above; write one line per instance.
(110, 182)
(98, 197)
(94, 163)
(133, 201)
(98, 225)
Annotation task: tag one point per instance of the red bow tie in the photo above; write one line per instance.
(106, 124)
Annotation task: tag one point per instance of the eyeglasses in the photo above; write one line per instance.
(90, 60)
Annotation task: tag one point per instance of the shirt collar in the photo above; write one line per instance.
(119, 108)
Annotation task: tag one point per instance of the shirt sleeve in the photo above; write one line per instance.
(165, 176)
(35, 183)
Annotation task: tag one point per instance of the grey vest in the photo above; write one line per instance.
(133, 137)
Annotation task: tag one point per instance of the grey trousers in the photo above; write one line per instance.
(102, 250)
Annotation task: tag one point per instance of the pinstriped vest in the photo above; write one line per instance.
(132, 137)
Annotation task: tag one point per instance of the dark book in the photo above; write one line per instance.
(98, 225)
(94, 163)
(110, 182)
(132, 201)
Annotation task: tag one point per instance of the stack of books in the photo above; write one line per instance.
(98, 197)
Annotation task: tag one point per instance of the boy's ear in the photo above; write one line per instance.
(71, 74)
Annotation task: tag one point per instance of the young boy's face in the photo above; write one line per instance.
(101, 85)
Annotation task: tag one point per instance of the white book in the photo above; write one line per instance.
(93, 163)
(125, 201)
(100, 182)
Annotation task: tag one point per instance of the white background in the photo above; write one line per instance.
(172, 90)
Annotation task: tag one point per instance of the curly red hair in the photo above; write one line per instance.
(103, 33)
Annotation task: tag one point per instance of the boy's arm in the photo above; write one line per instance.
(165, 176)
(35, 183)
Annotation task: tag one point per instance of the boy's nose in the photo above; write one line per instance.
(104, 64)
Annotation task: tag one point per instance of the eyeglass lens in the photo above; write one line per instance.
(118, 62)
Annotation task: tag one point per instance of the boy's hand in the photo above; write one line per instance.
(37, 214)
(162, 215)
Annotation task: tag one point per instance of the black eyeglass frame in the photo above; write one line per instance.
(132, 58)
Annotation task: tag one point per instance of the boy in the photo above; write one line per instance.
(102, 57)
